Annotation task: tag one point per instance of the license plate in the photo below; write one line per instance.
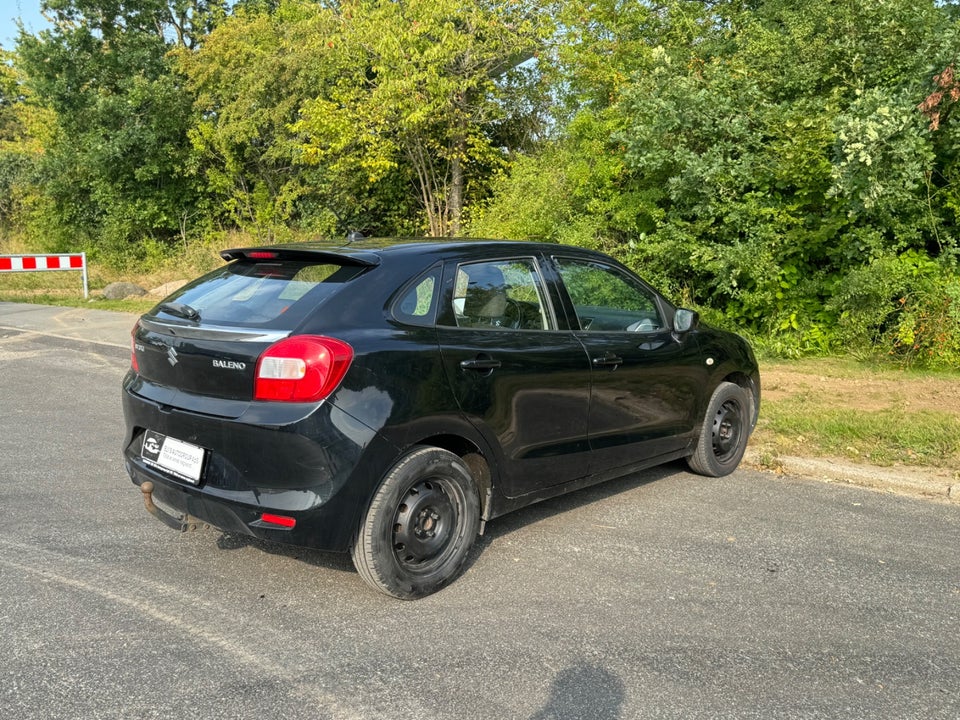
(176, 457)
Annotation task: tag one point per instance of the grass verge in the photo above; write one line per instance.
(863, 413)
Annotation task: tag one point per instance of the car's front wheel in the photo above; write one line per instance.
(725, 431)
(419, 525)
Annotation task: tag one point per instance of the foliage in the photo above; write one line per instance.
(117, 170)
(249, 78)
(760, 159)
(14, 158)
(908, 304)
(570, 193)
(789, 167)
(421, 90)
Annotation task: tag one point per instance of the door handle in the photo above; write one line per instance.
(611, 361)
(484, 364)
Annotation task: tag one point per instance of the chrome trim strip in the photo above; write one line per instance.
(214, 332)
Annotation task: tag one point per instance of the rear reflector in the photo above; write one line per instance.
(303, 368)
(279, 520)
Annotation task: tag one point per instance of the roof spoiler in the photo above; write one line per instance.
(281, 252)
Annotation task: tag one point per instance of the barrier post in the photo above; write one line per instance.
(86, 287)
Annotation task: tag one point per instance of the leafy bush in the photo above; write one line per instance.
(906, 306)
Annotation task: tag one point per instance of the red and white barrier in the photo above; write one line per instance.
(47, 263)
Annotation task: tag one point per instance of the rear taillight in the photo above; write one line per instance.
(133, 348)
(305, 368)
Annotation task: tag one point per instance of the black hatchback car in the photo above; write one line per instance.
(388, 398)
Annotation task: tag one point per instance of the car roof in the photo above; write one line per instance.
(370, 251)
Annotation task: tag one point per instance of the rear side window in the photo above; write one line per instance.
(417, 304)
(261, 294)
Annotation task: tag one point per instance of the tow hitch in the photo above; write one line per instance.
(181, 522)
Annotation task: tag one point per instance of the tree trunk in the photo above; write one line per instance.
(456, 188)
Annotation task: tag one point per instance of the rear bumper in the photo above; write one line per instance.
(310, 470)
(325, 527)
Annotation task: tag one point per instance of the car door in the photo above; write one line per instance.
(520, 375)
(647, 381)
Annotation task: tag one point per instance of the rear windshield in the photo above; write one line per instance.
(258, 294)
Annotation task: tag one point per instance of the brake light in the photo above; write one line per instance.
(133, 348)
(262, 255)
(304, 368)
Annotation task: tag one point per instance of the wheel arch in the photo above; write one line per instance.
(473, 457)
(752, 385)
(456, 435)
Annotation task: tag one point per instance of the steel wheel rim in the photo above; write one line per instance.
(727, 431)
(425, 526)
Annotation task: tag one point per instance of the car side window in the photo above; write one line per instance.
(417, 303)
(607, 300)
(500, 294)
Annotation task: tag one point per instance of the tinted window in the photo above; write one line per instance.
(263, 294)
(501, 294)
(417, 303)
(605, 299)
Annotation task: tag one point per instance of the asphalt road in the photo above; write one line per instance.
(664, 595)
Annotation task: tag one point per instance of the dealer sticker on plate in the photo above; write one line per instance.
(176, 457)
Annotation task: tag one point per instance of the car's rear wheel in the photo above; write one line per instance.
(725, 431)
(419, 525)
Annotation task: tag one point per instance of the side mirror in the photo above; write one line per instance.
(685, 320)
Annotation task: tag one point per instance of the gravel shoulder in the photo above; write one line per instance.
(940, 484)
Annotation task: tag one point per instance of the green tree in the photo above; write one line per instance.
(14, 161)
(250, 77)
(119, 168)
(422, 88)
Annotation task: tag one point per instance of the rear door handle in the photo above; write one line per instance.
(611, 361)
(484, 364)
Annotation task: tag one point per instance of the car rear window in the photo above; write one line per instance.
(276, 294)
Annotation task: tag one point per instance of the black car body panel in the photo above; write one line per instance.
(552, 395)
(533, 407)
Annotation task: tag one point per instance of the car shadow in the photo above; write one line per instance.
(512, 522)
(318, 558)
(518, 519)
(495, 530)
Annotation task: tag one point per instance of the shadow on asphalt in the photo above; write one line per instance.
(316, 558)
(495, 530)
(584, 690)
(518, 519)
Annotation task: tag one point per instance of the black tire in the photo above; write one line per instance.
(419, 526)
(725, 431)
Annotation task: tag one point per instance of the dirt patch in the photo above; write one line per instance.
(860, 389)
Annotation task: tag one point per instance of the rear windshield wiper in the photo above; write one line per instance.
(181, 310)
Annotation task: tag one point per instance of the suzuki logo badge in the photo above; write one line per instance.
(172, 357)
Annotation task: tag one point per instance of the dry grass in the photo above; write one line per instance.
(66, 288)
